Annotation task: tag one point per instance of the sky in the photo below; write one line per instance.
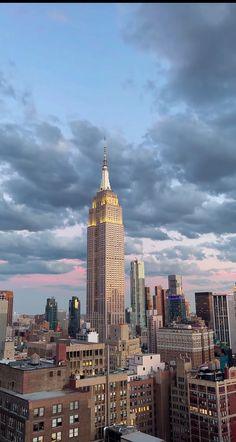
(159, 82)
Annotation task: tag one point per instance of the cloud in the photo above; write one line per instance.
(195, 44)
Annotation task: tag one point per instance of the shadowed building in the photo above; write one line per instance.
(105, 259)
(204, 307)
(51, 313)
(74, 316)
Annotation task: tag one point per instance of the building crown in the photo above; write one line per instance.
(105, 183)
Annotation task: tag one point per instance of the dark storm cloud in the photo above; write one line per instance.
(41, 252)
(46, 245)
(196, 43)
(49, 180)
(26, 267)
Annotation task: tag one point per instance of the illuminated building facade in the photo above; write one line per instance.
(105, 259)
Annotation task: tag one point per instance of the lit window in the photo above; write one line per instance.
(73, 432)
(57, 408)
(57, 422)
(74, 418)
(38, 412)
(56, 437)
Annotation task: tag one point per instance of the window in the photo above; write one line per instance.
(73, 432)
(74, 418)
(74, 405)
(56, 436)
(37, 439)
(38, 426)
(57, 408)
(38, 412)
(57, 422)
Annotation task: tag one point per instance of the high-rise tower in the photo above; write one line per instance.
(74, 316)
(137, 292)
(105, 258)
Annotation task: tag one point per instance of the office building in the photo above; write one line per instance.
(9, 296)
(74, 317)
(175, 309)
(51, 313)
(204, 307)
(159, 302)
(180, 431)
(148, 299)
(40, 401)
(195, 343)
(154, 322)
(137, 293)
(81, 358)
(105, 259)
(212, 404)
(63, 322)
(175, 286)
(121, 346)
(7, 349)
(224, 308)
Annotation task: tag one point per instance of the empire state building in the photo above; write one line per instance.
(105, 258)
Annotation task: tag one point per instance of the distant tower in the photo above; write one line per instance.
(51, 313)
(105, 259)
(176, 309)
(74, 317)
(175, 285)
(205, 308)
(3, 319)
(137, 292)
(8, 295)
(159, 302)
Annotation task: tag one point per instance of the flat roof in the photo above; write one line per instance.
(39, 395)
(138, 436)
(26, 364)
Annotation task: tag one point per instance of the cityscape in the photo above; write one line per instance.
(118, 282)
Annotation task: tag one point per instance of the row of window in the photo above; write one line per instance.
(57, 408)
(57, 422)
(73, 432)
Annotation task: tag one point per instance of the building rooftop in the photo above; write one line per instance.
(130, 433)
(39, 395)
(138, 436)
(28, 364)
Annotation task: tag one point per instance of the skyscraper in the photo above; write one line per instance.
(176, 309)
(204, 307)
(51, 313)
(137, 292)
(8, 295)
(105, 258)
(175, 285)
(74, 316)
(224, 306)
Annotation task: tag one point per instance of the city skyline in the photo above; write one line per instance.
(151, 82)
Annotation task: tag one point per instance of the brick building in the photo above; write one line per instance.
(187, 341)
(212, 405)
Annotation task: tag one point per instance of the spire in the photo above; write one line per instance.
(105, 183)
